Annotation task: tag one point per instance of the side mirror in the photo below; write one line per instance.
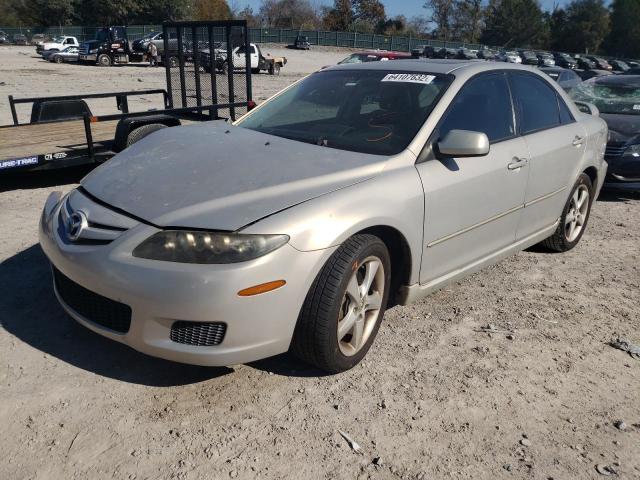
(588, 108)
(463, 143)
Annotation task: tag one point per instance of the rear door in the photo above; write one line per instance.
(473, 205)
(556, 143)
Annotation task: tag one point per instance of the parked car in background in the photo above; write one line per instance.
(69, 54)
(444, 53)
(618, 99)
(487, 54)
(565, 77)
(545, 59)
(141, 45)
(528, 57)
(601, 63)
(355, 189)
(38, 38)
(509, 56)
(20, 39)
(587, 74)
(585, 64)
(632, 71)
(564, 60)
(633, 64)
(467, 54)
(302, 43)
(374, 56)
(619, 66)
(4, 38)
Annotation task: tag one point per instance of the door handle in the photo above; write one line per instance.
(517, 163)
(577, 141)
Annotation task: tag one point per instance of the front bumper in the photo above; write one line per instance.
(161, 293)
(623, 172)
(88, 58)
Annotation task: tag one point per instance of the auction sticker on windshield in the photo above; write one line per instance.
(408, 78)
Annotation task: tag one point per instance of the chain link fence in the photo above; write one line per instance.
(264, 35)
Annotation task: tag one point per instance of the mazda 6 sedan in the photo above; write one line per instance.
(357, 188)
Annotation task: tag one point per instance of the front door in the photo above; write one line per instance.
(473, 205)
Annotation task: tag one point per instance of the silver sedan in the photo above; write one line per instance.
(355, 189)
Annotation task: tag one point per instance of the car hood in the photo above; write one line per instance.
(213, 175)
(622, 128)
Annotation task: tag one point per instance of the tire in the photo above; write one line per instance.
(104, 60)
(173, 62)
(141, 132)
(58, 59)
(225, 68)
(274, 69)
(255, 70)
(564, 239)
(329, 303)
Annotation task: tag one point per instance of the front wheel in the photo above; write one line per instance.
(57, 59)
(104, 60)
(574, 217)
(345, 305)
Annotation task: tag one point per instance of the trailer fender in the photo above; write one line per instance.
(127, 125)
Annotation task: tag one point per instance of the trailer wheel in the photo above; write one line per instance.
(141, 132)
(274, 69)
(104, 60)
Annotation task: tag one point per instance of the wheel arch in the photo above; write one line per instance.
(400, 253)
(592, 173)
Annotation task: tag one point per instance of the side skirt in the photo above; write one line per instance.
(412, 293)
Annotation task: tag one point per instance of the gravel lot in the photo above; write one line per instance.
(433, 399)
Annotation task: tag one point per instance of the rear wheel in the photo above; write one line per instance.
(274, 69)
(575, 215)
(57, 59)
(141, 132)
(345, 305)
(104, 60)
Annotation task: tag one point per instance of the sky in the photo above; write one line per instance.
(408, 8)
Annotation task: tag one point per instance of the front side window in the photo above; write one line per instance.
(368, 111)
(536, 102)
(483, 105)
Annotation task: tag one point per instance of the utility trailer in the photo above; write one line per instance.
(62, 131)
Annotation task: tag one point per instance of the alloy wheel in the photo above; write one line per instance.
(361, 304)
(577, 214)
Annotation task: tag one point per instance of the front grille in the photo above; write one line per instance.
(197, 333)
(83, 50)
(101, 310)
(614, 150)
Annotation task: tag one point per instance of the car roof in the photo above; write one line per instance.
(429, 65)
(619, 80)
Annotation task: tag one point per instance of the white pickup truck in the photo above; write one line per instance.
(258, 60)
(58, 43)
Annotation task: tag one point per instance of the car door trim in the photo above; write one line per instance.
(544, 197)
(474, 226)
(495, 217)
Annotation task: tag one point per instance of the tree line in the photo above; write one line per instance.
(580, 26)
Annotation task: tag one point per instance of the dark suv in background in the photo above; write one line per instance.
(564, 60)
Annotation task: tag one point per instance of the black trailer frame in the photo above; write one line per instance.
(198, 100)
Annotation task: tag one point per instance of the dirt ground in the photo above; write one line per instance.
(433, 399)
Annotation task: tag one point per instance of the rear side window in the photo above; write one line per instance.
(536, 103)
(483, 105)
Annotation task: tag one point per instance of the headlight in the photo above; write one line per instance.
(93, 50)
(632, 151)
(207, 247)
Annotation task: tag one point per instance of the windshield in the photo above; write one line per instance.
(103, 35)
(367, 111)
(611, 95)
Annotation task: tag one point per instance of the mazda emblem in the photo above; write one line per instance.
(76, 223)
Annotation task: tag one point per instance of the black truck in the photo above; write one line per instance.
(110, 46)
